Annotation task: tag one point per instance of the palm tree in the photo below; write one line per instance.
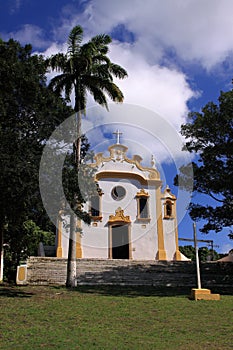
(84, 69)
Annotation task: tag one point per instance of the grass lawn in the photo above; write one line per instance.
(112, 318)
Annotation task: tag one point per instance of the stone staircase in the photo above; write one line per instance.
(52, 271)
(135, 272)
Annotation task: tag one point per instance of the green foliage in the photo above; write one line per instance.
(188, 251)
(79, 186)
(205, 254)
(22, 241)
(210, 137)
(29, 112)
(86, 68)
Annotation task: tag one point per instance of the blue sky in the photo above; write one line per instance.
(178, 55)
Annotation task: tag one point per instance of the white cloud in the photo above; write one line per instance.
(197, 30)
(29, 34)
(54, 48)
(161, 89)
(145, 131)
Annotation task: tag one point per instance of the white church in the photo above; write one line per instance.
(131, 218)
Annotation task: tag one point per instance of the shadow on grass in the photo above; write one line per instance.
(135, 291)
(14, 292)
(105, 290)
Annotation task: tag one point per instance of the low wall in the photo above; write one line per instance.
(52, 271)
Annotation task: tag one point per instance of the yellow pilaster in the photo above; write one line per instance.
(110, 242)
(59, 236)
(161, 254)
(177, 254)
(130, 243)
(78, 241)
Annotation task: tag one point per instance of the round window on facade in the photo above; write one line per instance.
(118, 193)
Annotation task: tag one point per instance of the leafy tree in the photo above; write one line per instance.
(79, 185)
(188, 251)
(209, 135)
(84, 69)
(29, 112)
(205, 254)
(22, 241)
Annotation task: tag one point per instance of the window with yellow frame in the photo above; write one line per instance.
(143, 205)
(168, 209)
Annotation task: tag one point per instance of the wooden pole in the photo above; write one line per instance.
(197, 257)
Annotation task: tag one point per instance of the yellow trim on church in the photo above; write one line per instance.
(119, 217)
(177, 253)
(161, 254)
(126, 175)
(78, 241)
(59, 236)
(142, 193)
(118, 153)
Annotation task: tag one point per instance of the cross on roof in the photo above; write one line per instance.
(118, 134)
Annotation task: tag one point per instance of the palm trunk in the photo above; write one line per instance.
(71, 280)
(78, 141)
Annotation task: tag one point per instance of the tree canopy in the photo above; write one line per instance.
(29, 112)
(205, 254)
(86, 69)
(209, 136)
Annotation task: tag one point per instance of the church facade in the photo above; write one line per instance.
(131, 217)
